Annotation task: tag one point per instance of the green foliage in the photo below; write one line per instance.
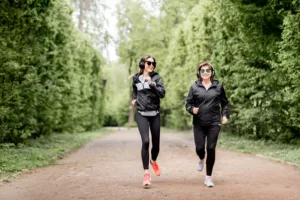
(117, 93)
(50, 74)
(253, 45)
(288, 73)
(189, 47)
(250, 43)
(277, 150)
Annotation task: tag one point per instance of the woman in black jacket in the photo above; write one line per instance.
(148, 88)
(203, 102)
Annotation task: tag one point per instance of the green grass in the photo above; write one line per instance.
(284, 152)
(40, 152)
(277, 150)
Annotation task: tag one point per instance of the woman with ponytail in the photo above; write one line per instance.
(148, 89)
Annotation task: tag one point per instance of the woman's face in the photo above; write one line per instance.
(205, 72)
(150, 65)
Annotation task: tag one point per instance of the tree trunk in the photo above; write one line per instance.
(131, 110)
(81, 13)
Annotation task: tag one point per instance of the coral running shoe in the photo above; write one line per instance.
(147, 179)
(155, 168)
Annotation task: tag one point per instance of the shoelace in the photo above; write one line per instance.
(147, 176)
(154, 165)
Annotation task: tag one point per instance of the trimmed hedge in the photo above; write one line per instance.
(50, 73)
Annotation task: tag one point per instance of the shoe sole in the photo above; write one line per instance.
(155, 173)
(208, 186)
(146, 186)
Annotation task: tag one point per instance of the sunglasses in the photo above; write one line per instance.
(149, 63)
(203, 71)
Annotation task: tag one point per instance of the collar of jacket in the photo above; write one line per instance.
(213, 84)
(136, 76)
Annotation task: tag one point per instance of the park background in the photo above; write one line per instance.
(61, 81)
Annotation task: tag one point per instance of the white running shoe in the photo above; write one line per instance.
(208, 182)
(200, 165)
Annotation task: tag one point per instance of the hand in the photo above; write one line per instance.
(133, 101)
(195, 110)
(224, 120)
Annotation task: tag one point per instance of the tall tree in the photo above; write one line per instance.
(132, 24)
(91, 19)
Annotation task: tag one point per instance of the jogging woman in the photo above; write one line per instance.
(208, 104)
(148, 89)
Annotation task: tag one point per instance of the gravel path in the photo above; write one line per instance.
(111, 168)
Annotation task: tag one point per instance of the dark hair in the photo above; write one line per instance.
(142, 61)
(146, 57)
(203, 65)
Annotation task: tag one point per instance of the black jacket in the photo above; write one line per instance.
(148, 96)
(208, 102)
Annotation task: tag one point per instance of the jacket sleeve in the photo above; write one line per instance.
(158, 86)
(134, 91)
(190, 101)
(224, 103)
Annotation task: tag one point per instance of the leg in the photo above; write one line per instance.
(199, 138)
(212, 138)
(155, 133)
(143, 127)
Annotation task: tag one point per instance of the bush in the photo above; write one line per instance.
(50, 73)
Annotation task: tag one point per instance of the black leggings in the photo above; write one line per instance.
(144, 122)
(212, 133)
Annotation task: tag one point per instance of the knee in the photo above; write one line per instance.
(199, 149)
(146, 143)
(211, 149)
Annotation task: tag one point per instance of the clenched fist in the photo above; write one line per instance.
(195, 110)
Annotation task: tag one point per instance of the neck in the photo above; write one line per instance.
(206, 81)
(145, 73)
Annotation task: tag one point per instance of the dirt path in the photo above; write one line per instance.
(111, 168)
